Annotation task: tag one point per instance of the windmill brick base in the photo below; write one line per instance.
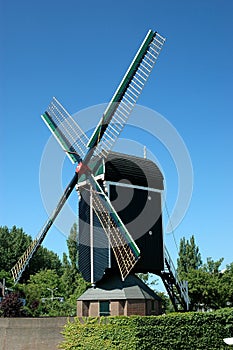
(114, 297)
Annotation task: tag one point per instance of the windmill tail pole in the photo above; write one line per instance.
(20, 266)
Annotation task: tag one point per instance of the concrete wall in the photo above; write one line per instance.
(31, 333)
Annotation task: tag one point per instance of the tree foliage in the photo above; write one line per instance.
(72, 244)
(50, 287)
(189, 257)
(14, 242)
(44, 295)
(209, 287)
(73, 283)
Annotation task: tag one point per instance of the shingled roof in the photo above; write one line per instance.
(115, 289)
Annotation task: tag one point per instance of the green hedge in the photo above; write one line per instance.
(191, 331)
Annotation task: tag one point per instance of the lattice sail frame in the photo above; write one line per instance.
(68, 133)
(22, 263)
(117, 112)
(126, 95)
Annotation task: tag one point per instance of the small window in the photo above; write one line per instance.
(152, 305)
(104, 308)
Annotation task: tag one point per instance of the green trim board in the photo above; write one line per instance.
(62, 140)
(117, 97)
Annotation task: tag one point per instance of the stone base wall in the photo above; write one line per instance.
(31, 333)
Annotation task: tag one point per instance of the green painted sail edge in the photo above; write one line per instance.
(122, 87)
(55, 131)
(125, 232)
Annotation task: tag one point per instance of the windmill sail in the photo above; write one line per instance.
(124, 248)
(74, 141)
(22, 263)
(68, 133)
(126, 95)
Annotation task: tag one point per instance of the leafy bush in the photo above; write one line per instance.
(11, 306)
(171, 332)
(100, 333)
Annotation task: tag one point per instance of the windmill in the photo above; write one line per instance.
(134, 186)
(90, 154)
(81, 150)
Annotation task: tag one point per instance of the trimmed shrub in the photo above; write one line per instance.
(177, 331)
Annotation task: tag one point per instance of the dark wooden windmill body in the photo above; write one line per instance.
(134, 186)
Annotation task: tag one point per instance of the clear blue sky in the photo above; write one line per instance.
(78, 51)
